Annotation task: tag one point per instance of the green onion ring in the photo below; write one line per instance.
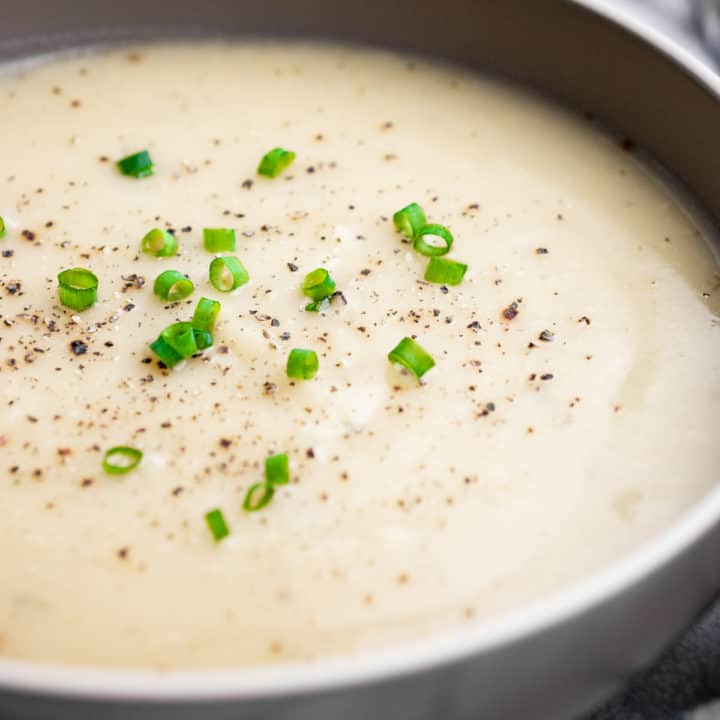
(77, 288)
(277, 469)
(258, 496)
(218, 240)
(173, 286)
(227, 273)
(181, 338)
(159, 243)
(139, 165)
(429, 250)
(121, 459)
(275, 161)
(167, 354)
(318, 284)
(411, 356)
(206, 312)
(302, 364)
(409, 220)
(216, 523)
(444, 271)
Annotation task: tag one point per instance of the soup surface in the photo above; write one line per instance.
(568, 418)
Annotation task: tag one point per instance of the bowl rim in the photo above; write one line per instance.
(433, 651)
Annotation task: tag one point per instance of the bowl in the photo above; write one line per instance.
(552, 659)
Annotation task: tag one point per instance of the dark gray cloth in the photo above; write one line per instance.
(686, 679)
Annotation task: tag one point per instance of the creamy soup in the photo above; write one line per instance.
(568, 418)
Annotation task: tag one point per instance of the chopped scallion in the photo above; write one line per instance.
(302, 364)
(139, 165)
(227, 273)
(121, 459)
(258, 496)
(444, 271)
(159, 243)
(175, 343)
(77, 288)
(409, 220)
(168, 356)
(181, 338)
(432, 249)
(277, 472)
(412, 356)
(205, 314)
(218, 240)
(275, 161)
(173, 286)
(277, 469)
(216, 522)
(318, 285)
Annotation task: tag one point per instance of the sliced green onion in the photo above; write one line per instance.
(203, 339)
(275, 161)
(172, 285)
(277, 469)
(219, 239)
(175, 343)
(159, 243)
(216, 522)
(167, 354)
(180, 336)
(227, 273)
(258, 496)
(206, 312)
(445, 272)
(411, 356)
(426, 248)
(2, 227)
(139, 165)
(302, 364)
(203, 322)
(318, 284)
(121, 459)
(77, 288)
(409, 220)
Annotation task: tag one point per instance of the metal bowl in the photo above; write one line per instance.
(707, 18)
(553, 659)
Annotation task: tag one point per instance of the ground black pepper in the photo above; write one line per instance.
(511, 311)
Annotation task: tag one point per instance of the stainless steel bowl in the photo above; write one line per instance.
(553, 659)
